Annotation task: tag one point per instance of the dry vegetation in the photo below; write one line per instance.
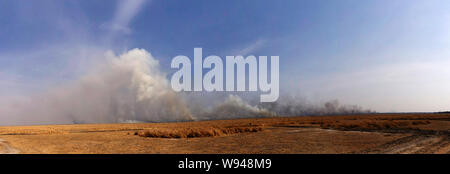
(375, 125)
(427, 123)
(370, 133)
(400, 123)
(196, 132)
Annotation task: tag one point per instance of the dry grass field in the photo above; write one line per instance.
(371, 133)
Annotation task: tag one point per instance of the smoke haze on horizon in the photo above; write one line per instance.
(96, 62)
(131, 88)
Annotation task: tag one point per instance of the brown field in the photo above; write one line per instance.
(371, 133)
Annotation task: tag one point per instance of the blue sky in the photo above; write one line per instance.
(380, 54)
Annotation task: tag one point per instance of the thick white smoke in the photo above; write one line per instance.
(126, 88)
(131, 88)
(235, 107)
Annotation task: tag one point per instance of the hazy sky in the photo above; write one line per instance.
(383, 55)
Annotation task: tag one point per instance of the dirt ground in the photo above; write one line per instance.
(398, 133)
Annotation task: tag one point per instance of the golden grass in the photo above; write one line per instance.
(196, 132)
(272, 135)
(374, 124)
(428, 123)
(364, 122)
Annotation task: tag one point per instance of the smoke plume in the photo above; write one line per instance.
(131, 88)
(127, 88)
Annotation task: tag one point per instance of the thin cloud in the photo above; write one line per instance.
(125, 12)
(255, 46)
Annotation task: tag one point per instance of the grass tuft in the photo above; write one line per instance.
(196, 132)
